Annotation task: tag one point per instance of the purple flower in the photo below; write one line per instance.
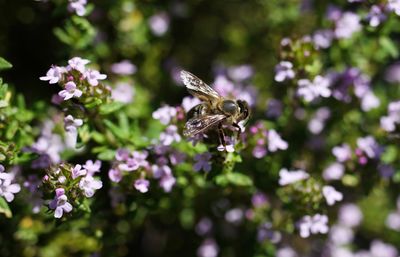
(223, 86)
(35, 197)
(93, 77)
(313, 225)
(375, 16)
(322, 38)
(331, 195)
(393, 220)
(7, 189)
(70, 91)
(167, 182)
(386, 170)
(78, 6)
(164, 114)
(369, 146)
(259, 151)
(350, 215)
(286, 252)
(234, 215)
(78, 64)
(287, 177)
(92, 167)
(317, 123)
(177, 157)
(142, 185)
(202, 162)
(124, 67)
(381, 249)
(266, 232)
(334, 171)
(334, 13)
(71, 124)
(208, 248)
(137, 160)
(274, 108)
(342, 153)
(170, 135)
(226, 88)
(140, 157)
(159, 23)
(347, 24)
(284, 71)
(394, 5)
(49, 147)
(388, 123)
(392, 73)
(369, 101)
(340, 235)
(122, 154)
(88, 184)
(77, 171)
(189, 102)
(130, 165)
(259, 199)
(115, 175)
(275, 142)
(204, 226)
(240, 73)
(123, 92)
(60, 203)
(312, 90)
(54, 74)
(160, 170)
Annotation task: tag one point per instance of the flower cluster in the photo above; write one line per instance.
(389, 122)
(77, 81)
(71, 184)
(266, 140)
(7, 186)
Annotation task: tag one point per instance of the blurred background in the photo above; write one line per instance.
(158, 39)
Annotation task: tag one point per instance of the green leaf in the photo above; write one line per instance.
(116, 130)
(4, 64)
(237, 179)
(4, 208)
(390, 154)
(106, 155)
(110, 107)
(389, 46)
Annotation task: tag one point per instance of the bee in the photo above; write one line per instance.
(214, 112)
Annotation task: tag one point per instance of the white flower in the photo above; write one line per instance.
(164, 114)
(347, 24)
(312, 90)
(331, 195)
(88, 184)
(313, 225)
(54, 74)
(394, 5)
(275, 142)
(287, 177)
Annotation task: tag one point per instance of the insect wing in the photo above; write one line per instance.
(198, 88)
(200, 124)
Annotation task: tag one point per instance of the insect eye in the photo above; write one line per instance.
(229, 106)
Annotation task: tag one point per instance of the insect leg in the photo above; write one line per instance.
(239, 130)
(221, 135)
